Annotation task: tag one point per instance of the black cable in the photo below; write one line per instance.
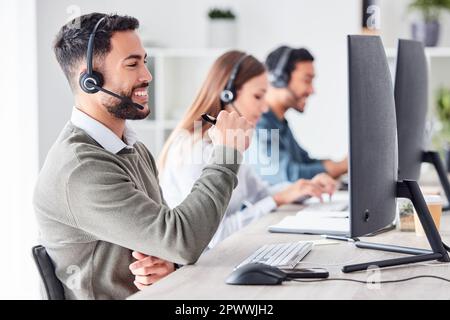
(446, 247)
(366, 282)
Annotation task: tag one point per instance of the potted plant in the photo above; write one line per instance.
(222, 28)
(427, 29)
(406, 215)
(443, 113)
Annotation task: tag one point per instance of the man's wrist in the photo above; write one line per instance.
(279, 199)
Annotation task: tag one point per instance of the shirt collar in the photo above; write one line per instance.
(102, 134)
(281, 124)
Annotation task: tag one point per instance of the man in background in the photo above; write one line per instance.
(291, 75)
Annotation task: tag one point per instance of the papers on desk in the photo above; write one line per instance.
(337, 196)
(314, 222)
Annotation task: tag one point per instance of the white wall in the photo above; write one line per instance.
(320, 25)
(160, 20)
(19, 154)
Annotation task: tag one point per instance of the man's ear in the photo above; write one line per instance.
(81, 68)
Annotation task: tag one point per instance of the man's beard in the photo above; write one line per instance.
(123, 109)
(300, 109)
(297, 100)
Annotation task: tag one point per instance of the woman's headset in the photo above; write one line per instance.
(228, 94)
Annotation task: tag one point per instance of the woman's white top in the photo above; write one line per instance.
(185, 160)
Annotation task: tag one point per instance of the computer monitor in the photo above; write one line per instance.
(373, 137)
(373, 175)
(411, 104)
(411, 92)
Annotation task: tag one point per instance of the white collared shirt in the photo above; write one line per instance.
(186, 159)
(102, 134)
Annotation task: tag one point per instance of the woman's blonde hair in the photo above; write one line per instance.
(208, 98)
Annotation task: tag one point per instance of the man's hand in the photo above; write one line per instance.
(336, 169)
(148, 269)
(327, 183)
(297, 190)
(231, 130)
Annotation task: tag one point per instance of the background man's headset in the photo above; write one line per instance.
(278, 77)
(228, 94)
(92, 81)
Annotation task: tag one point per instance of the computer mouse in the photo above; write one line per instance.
(256, 273)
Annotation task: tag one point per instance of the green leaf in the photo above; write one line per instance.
(430, 9)
(218, 13)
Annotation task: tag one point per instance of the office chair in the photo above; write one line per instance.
(53, 287)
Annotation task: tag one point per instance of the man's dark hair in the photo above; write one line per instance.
(296, 55)
(71, 42)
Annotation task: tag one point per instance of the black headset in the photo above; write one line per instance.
(278, 77)
(228, 94)
(92, 81)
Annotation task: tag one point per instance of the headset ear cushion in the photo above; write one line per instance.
(227, 96)
(279, 81)
(95, 76)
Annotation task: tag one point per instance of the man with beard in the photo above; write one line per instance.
(97, 199)
(291, 75)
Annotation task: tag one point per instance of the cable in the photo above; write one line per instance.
(437, 264)
(434, 264)
(446, 247)
(366, 282)
(362, 255)
(365, 256)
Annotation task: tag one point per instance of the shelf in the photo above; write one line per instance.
(391, 52)
(178, 75)
(145, 125)
(170, 124)
(154, 124)
(185, 53)
(438, 52)
(430, 52)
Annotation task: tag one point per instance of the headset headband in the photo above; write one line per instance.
(234, 72)
(90, 49)
(281, 65)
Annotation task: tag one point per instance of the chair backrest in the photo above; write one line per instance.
(53, 287)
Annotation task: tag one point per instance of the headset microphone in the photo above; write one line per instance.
(92, 81)
(123, 98)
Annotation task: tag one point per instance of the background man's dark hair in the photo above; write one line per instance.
(71, 42)
(296, 55)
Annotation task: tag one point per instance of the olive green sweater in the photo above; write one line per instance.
(93, 207)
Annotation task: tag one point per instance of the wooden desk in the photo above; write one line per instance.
(206, 279)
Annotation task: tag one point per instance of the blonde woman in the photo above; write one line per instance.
(236, 82)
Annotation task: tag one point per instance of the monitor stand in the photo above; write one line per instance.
(408, 189)
(434, 158)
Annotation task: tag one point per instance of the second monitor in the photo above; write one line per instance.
(374, 185)
(411, 105)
